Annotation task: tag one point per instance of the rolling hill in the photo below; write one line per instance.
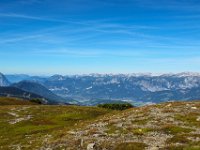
(37, 88)
(18, 93)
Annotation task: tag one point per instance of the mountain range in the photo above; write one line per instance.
(93, 89)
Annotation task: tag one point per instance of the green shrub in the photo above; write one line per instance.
(38, 101)
(116, 106)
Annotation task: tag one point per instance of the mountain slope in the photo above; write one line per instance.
(16, 92)
(14, 78)
(172, 95)
(38, 89)
(3, 80)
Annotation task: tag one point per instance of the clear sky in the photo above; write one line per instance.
(99, 36)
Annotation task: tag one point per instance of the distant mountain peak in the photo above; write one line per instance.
(57, 77)
(3, 80)
(185, 74)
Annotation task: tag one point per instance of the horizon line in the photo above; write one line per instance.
(102, 74)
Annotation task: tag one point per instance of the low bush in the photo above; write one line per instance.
(116, 106)
(38, 101)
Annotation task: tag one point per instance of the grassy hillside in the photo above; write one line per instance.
(167, 126)
(31, 126)
(14, 101)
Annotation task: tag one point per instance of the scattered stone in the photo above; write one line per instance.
(187, 104)
(193, 107)
(91, 146)
(72, 132)
(81, 143)
(13, 114)
(119, 125)
(155, 148)
(198, 119)
(20, 119)
(169, 105)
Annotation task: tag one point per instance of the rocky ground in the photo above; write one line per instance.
(167, 126)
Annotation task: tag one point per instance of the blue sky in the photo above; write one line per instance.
(99, 36)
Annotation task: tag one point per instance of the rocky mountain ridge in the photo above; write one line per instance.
(137, 89)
